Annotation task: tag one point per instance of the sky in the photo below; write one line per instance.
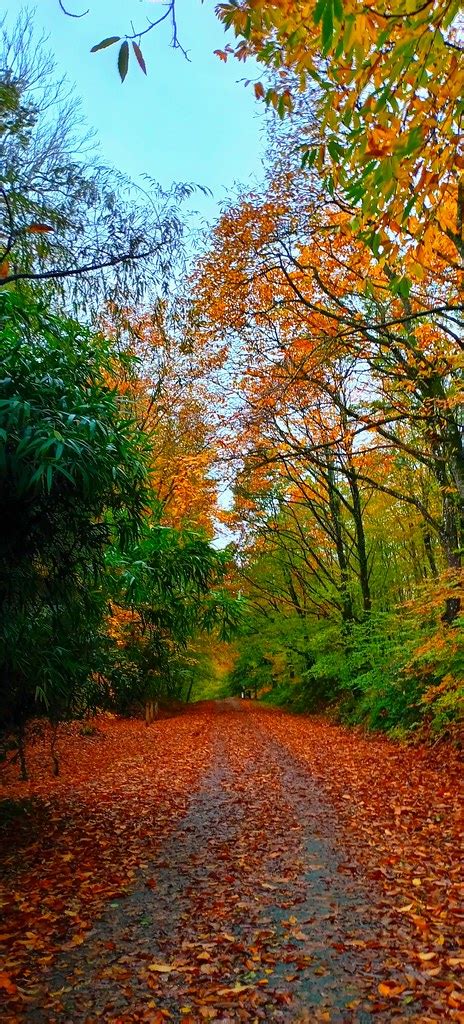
(187, 121)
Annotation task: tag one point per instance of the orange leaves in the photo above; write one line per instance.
(419, 935)
(84, 835)
(332, 340)
(77, 940)
(7, 984)
(365, 82)
(281, 869)
(380, 142)
(167, 393)
(390, 989)
(38, 229)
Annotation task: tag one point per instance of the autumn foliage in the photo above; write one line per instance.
(387, 86)
(187, 871)
(345, 397)
(234, 468)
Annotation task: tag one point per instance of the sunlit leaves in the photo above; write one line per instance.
(390, 89)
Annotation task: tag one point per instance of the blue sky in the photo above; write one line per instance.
(186, 121)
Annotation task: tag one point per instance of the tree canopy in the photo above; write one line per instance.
(306, 361)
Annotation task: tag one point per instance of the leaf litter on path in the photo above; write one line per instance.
(235, 864)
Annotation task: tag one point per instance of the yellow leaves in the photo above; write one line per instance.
(234, 990)
(414, 268)
(161, 968)
(371, 72)
(358, 31)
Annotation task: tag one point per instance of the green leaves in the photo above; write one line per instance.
(327, 27)
(109, 41)
(123, 59)
(72, 481)
(325, 12)
(319, 10)
(309, 157)
(172, 582)
(123, 55)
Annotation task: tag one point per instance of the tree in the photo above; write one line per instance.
(73, 478)
(343, 378)
(64, 218)
(165, 592)
(389, 86)
(166, 384)
(340, 354)
(131, 41)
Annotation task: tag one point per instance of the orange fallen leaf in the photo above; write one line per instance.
(390, 989)
(7, 984)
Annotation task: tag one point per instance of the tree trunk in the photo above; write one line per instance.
(334, 502)
(430, 555)
(360, 540)
(150, 711)
(450, 540)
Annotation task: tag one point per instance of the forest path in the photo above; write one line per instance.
(257, 906)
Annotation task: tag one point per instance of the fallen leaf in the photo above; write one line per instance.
(7, 984)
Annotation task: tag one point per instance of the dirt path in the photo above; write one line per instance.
(253, 908)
